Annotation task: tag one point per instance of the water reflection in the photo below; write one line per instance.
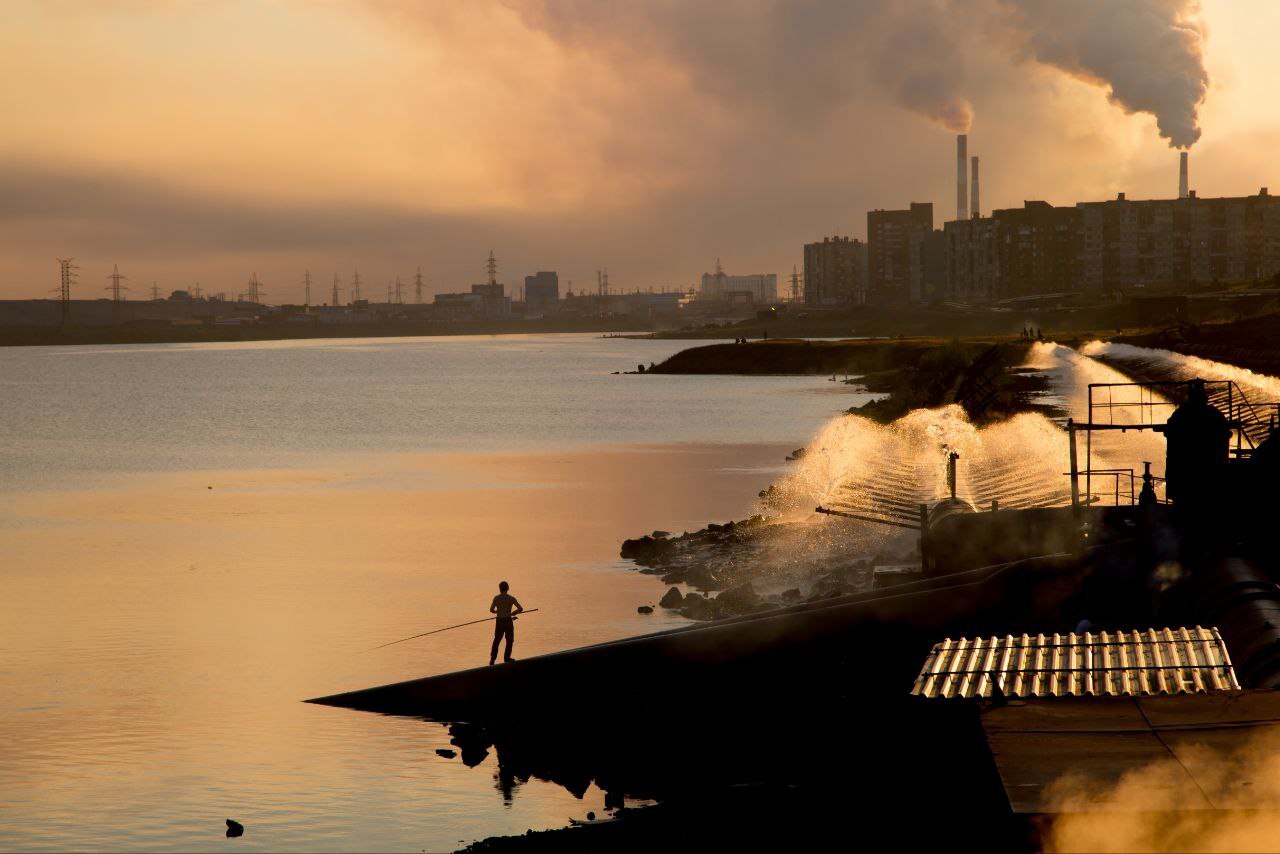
(156, 638)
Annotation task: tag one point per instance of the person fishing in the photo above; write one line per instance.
(503, 605)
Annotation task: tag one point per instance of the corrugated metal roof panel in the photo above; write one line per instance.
(1138, 663)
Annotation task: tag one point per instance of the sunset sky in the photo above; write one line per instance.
(204, 140)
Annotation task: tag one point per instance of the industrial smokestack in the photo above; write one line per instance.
(962, 188)
(975, 210)
(1183, 190)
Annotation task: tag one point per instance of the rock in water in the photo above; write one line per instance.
(446, 752)
(673, 598)
(644, 609)
(234, 828)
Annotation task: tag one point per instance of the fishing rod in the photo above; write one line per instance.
(445, 629)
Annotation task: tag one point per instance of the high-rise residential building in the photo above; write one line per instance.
(889, 251)
(835, 272)
(1038, 249)
(928, 271)
(542, 294)
(1098, 247)
(972, 259)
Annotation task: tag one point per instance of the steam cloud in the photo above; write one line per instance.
(810, 55)
(1232, 806)
(1148, 52)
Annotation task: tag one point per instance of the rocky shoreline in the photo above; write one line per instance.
(749, 566)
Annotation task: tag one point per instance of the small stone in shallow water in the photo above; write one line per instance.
(446, 752)
(591, 816)
(644, 609)
(234, 828)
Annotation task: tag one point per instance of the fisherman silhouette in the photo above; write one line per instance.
(502, 605)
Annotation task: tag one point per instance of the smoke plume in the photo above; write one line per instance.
(1148, 53)
(811, 55)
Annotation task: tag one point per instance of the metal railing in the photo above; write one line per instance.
(1250, 423)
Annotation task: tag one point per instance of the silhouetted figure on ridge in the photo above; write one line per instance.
(506, 607)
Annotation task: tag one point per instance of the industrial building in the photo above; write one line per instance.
(762, 287)
(542, 294)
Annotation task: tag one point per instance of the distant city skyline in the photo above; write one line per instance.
(206, 142)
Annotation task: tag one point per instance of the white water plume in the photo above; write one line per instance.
(885, 471)
(1260, 388)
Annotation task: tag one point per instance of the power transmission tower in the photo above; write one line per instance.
(795, 284)
(255, 290)
(388, 293)
(417, 286)
(196, 292)
(355, 286)
(155, 291)
(115, 287)
(64, 288)
(602, 289)
(306, 282)
(399, 292)
(492, 267)
(337, 295)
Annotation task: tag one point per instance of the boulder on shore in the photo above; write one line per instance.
(673, 598)
(739, 599)
(646, 549)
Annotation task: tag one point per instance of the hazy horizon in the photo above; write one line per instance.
(202, 142)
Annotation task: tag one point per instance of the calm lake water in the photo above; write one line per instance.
(194, 538)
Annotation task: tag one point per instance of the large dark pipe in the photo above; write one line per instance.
(1244, 603)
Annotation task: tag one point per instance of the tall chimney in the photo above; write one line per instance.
(1182, 176)
(974, 210)
(962, 188)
